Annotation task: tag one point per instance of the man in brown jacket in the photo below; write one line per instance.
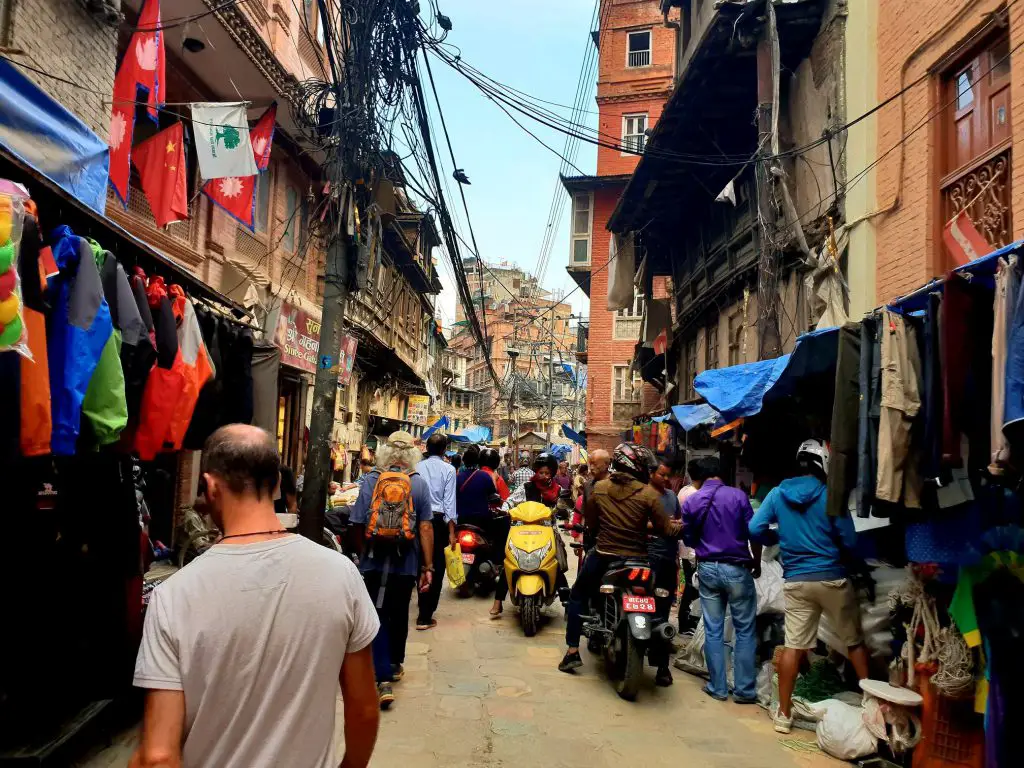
(618, 509)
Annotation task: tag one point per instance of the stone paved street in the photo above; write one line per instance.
(479, 693)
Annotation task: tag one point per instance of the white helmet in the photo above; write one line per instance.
(814, 451)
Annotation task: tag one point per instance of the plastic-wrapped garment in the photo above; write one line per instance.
(166, 381)
(36, 422)
(196, 366)
(80, 327)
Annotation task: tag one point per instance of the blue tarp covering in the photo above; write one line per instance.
(459, 439)
(476, 434)
(981, 268)
(741, 390)
(560, 452)
(42, 133)
(573, 435)
(441, 423)
(691, 416)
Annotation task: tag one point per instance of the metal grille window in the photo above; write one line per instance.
(691, 368)
(628, 321)
(634, 136)
(735, 338)
(582, 214)
(624, 387)
(638, 49)
(711, 347)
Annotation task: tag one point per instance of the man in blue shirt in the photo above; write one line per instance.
(812, 545)
(391, 576)
(440, 477)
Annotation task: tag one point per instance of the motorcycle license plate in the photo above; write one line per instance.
(635, 604)
(468, 558)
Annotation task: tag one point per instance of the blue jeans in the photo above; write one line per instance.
(721, 585)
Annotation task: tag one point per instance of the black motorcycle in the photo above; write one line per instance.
(480, 560)
(625, 627)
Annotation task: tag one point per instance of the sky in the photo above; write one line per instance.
(536, 46)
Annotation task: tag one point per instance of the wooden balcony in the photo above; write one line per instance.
(984, 190)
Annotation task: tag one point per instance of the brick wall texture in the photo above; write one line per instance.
(922, 41)
(621, 90)
(59, 37)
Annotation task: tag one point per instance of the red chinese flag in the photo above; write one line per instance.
(237, 194)
(161, 164)
(141, 75)
(964, 241)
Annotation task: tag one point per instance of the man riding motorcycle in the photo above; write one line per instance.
(618, 511)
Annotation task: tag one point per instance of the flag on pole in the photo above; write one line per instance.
(237, 194)
(161, 164)
(964, 241)
(140, 76)
(222, 140)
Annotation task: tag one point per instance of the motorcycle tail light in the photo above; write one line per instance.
(467, 539)
(607, 589)
(633, 573)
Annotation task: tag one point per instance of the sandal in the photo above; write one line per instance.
(496, 615)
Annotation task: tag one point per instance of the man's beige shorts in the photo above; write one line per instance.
(807, 600)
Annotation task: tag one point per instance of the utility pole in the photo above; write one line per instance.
(551, 379)
(325, 387)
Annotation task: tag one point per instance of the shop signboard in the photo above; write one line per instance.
(298, 336)
(347, 359)
(419, 406)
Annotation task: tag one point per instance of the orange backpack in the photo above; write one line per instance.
(392, 516)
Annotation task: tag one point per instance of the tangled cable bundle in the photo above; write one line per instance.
(955, 677)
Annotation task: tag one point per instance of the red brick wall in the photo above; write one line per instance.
(919, 39)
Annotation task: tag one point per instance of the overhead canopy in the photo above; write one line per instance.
(741, 390)
(476, 434)
(441, 423)
(39, 131)
(692, 416)
(573, 435)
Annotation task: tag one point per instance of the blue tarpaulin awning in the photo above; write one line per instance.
(692, 416)
(39, 131)
(476, 434)
(741, 390)
(573, 435)
(441, 423)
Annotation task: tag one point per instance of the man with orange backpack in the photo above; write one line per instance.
(392, 525)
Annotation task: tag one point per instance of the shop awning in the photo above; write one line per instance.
(441, 423)
(575, 436)
(693, 416)
(741, 390)
(477, 434)
(40, 132)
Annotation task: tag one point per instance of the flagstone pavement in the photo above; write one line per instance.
(479, 693)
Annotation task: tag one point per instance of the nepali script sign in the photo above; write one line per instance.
(298, 336)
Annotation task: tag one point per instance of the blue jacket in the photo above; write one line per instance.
(79, 330)
(810, 540)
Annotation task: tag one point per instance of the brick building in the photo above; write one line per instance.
(636, 63)
(946, 142)
(258, 52)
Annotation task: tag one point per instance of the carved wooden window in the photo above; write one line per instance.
(977, 141)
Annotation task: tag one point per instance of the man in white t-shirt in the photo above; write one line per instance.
(244, 649)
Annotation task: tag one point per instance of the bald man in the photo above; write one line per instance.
(599, 461)
(246, 600)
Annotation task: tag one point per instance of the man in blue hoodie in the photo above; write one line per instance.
(812, 546)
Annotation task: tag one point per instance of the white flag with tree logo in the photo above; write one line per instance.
(222, 140)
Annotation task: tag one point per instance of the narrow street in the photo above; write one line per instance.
(479, 693)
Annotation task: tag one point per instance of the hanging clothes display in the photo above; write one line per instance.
(898, 478)
(80, 328)
(196, 366)
(842, 477)
(868, 414)
(1007, 285)
(35, 420)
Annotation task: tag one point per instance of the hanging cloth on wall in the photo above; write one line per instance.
(621, 269)
(197, 367)
(36, 422)
(166, 381)
(1007, 286)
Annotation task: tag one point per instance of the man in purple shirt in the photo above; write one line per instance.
(715, 520)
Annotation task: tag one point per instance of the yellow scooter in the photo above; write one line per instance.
(531, 563)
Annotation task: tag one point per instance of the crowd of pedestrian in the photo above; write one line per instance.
(208, 703)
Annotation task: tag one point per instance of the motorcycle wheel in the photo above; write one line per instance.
(529, 614)
(628, 684)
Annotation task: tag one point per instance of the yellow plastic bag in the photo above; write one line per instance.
(453, 566)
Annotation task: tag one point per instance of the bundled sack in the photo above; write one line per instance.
(841, 732)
